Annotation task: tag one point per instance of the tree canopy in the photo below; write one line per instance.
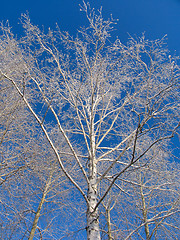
(87, 133)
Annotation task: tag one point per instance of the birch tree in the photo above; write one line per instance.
(33, 195)
(158, 201)
(32, 186)
(148, 203)
(112, 104)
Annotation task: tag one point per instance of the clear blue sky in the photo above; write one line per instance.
(155, 17)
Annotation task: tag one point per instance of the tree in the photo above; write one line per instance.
(34, 191)
(157, 194)
(112, 104)
(33, 188)
(147, 206)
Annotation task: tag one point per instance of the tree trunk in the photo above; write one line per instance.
(37, 215)
(144, 210)
(93, 232)
(108, 223)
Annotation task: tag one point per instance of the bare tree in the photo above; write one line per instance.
(111, 103)
(33, 188)
(148, 203)
(158, 201)
(34, 193)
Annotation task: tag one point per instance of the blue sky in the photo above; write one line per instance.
(154, 17)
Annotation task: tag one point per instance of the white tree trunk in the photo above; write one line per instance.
(108, 217)
(93, 232)
(144, 210)
(37, 215)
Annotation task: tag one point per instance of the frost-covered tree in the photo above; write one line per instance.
(148, 203)
(102, 106)
(33, 189)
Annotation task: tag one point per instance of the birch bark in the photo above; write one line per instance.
(37, 215)
(93, 231)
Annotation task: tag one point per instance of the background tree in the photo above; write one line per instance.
(33, 189)
(147, 206)
(111, 104)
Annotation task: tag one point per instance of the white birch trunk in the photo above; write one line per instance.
(93, 231)
(37, 215)
(144, 210)
(108, 217)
